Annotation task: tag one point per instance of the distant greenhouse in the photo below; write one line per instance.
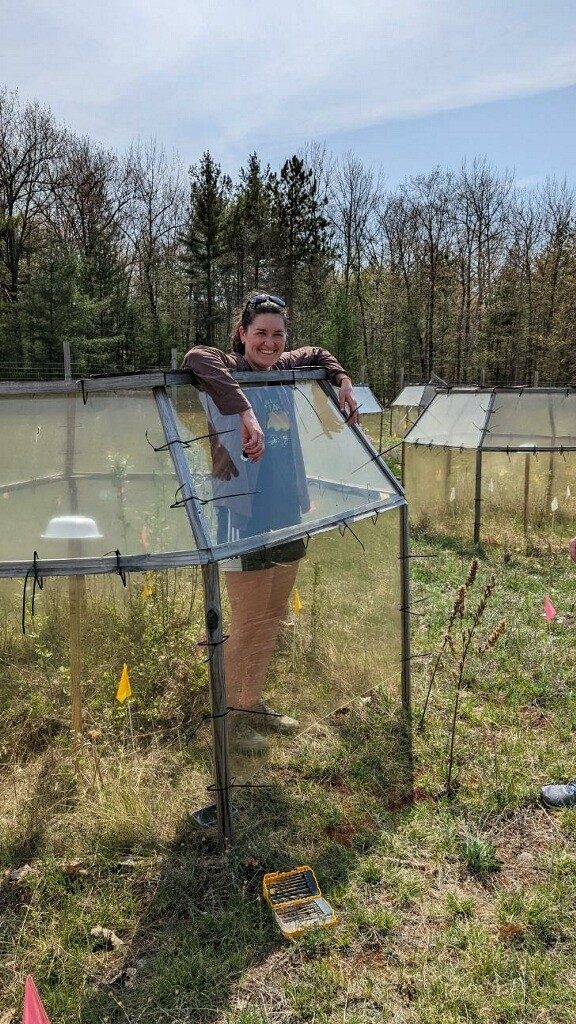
(408, 406)
(485, 462)
(371, 412)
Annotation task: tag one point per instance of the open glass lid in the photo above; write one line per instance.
(316, 471)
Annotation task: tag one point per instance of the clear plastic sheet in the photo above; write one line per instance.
(530, 494)
(402, 418)
(65, 458)
(539, 419)
(83, 630)
(310, 651)
(313, 468)
(440, 487)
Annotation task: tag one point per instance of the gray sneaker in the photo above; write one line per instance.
(243, 738)
(559, 794)
(267, 718)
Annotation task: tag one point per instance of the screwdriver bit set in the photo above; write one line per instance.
(296, 901)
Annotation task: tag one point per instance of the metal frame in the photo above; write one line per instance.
(206, 554)
(478, 480)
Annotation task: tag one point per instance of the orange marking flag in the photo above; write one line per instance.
(33, 1011)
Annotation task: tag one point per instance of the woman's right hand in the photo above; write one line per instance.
(252, 436)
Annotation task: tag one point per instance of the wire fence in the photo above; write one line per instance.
(86, 367)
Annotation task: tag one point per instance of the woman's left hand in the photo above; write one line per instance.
(347, 400)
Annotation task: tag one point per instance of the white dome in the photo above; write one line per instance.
(72, 528)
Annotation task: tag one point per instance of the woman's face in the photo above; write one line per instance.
(264, 340)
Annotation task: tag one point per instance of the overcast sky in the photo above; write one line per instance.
(407, 84)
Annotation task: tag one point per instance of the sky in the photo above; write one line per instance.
(404, 84)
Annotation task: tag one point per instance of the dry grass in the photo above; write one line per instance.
(449, 910)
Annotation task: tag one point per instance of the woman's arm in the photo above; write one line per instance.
(213, 371)
(312, 356)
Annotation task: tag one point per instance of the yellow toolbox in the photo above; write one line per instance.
(296, 901)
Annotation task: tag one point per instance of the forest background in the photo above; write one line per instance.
(129, 256)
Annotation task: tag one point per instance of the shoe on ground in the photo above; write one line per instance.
(207, 817)
(204, 817)
(559, 794)
(270, 719)
(243, 738)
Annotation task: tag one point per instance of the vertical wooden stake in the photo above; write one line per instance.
(76, 590)
(526, 491)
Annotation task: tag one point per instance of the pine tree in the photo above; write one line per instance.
(206, 244)
(301, 237)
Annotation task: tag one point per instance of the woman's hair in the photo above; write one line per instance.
(254, 304)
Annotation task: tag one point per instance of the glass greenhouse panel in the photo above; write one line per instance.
(403, 417)
(82, 480)
(313, 467)
(528, 493)
(368, 404)
(538, 419)
(87, 627)
(455, 420)
(440, 487)
(339, 636)
(410, 396)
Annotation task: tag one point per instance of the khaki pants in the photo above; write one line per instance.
(258, 603)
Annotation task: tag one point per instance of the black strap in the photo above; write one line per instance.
(38, 582)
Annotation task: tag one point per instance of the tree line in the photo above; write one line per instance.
(128, 257)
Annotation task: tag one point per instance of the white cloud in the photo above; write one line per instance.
(199, 74)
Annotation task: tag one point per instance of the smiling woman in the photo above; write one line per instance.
(259, 585)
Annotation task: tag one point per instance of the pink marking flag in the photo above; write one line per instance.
(33, 1012)
(549, 609)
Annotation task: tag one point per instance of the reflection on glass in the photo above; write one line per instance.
(69, 459)
(341, 640)
(313, 467)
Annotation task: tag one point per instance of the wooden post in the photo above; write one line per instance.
(526, 491)
(173, 358)
(76, 589)
(67, 360)
(405, 597)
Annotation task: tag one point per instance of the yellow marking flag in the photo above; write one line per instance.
(124, 689)
(295, 601)
(147, 591)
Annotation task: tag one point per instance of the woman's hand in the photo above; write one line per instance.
(347, 400)
(252, 436)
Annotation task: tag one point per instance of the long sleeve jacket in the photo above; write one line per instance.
(213, 370)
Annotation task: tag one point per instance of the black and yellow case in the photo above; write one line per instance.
(296, 901)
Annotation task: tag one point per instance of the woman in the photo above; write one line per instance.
(258, 602)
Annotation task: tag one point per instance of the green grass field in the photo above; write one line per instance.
(451, 908)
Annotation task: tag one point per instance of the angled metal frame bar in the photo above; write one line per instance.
(478, 480)
(503, 449)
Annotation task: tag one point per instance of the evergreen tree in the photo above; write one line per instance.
(205, 244)
(301, 241)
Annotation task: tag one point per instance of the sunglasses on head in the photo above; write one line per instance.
(260, 300)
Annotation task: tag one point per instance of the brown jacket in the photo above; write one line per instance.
(213, 370)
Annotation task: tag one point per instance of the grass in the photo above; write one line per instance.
(450, 909)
